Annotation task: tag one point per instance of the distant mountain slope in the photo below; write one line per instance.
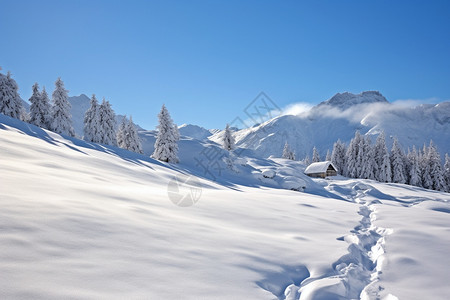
(339, 118)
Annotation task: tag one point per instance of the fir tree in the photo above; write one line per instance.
(351, 168)
(328, 156)
(107, 120)
(91, 128)
(166, 147)
(40, 108)
(134, 143)
(338, 156)
(10, 102)
(397, 163)
(361, 157)
(306, 160)
(369, 164)
(287, 152)
(436, 174)
(228, 139)
(61, 118)
(127, 136)
(427, 181)
(316, 156)
(446, 173)
(121, 133)
(383, 163)
(414, 169)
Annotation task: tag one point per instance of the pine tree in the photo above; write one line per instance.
(338, 156)
(397, 163)
(414, 169)
(121, 133)
(369, 163)
(306, 160)
(436, 174)
(361, 157)
(316, 156)
(228, 139)
(351, 168)
(91, 122)
(287, 152)
(166, 147)
(107, 120)
(446, 172)
(61, 118)
(134, 143)
(427, 181)
(383, 163)
(328, 156)
(40, 108)
(10, 102)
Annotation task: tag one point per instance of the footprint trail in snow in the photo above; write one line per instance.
(357, 272)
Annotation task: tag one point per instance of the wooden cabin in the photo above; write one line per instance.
(321, 169)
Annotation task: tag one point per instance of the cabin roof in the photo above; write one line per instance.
(319, 167)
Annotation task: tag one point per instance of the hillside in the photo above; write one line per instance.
(88, 221)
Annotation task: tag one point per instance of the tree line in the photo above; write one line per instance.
(361, 159)
(99, 119)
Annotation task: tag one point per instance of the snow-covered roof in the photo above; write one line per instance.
(319, 167)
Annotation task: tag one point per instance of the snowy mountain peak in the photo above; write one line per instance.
(346, 100)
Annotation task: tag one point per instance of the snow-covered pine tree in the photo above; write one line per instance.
(307, 160)
(10, 102)
(407, 165)
(361, 157)
(316, 156)
(434, 161)
(47, 109)
(40, 108)
(383, 163)
(287, 152)
(397, 163)
(107, 120)
(166, 147)
(338, 156)
(446, 172)
(121, 132)
(414, 168)
(369, 163)
(427, 181)
(91, 127)
(132, 141)
(61, 118)
(228, 139)
(351, 157)
(328, 156)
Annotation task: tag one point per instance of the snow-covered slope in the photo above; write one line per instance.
(195, 131)
(87, 221)
(339, 118)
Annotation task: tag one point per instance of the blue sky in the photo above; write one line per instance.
(206, 60)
